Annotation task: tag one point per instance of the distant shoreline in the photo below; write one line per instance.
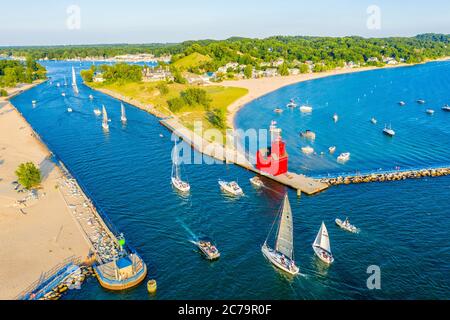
(258, 88)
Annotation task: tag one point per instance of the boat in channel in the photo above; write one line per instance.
(257, 182)
(123, 116)
(282, 256)
(105, 121)
(346, 225)
(389, 131)
(208, 248)
(321, 245)
(231, 187)
(177, 182)
(74, 81)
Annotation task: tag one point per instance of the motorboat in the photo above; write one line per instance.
(446, 108)
(33, 102)
(282, 256)
(291, 104)
(346, 225)
(321, 245)
(63, 94)
(332, 150)
(421, 101)
(430, 111)
(388, 131)
(97, 112)
(257, 182)
(177, 182)
(343, 157)
(91, 97)
(231, 188)
(307, 150)
(308, 134)
(69, 110)
(373, 120)
(208, 249)
(335, 118)
(278, 110)
(306, 109)
(402, 103)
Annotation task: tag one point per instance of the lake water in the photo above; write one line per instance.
(404, 225)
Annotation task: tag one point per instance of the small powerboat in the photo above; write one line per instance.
(278, 110)
(97, 112)
(402, 103)
(335, 117)
(69, 110)
(332, 149)
(231, 188)
(430, 111)
(307, 150)
(373, 120)
(421, 101)
(257, 182)
(291, 104)
(63, 94)
(346, 225)
(33, 102)
(308, 134)
(208, 249)
(446, 108)
(91, 97)
(344, 157)
(306, 109)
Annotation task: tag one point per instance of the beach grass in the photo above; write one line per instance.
(149, 93)
(191, 61)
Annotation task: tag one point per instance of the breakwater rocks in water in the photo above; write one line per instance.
(383, 177)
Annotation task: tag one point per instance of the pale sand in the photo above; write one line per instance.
(262, 86)
(47, 234)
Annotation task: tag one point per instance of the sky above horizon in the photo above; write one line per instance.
(58, 22)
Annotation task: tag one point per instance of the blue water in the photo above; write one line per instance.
(405, 225)
(421, 140)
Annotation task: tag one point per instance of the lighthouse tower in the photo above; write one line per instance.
(274, 160)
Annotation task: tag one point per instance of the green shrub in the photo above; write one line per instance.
(28, 175)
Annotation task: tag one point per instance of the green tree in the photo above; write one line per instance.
(283, 69)
(28, 175)
(248, 71)
(87, 75)
(176, 104)
(217, 118)
(163, 88)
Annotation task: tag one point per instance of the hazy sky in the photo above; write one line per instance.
(137, 21)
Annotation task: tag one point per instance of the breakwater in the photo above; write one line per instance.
(386, 176)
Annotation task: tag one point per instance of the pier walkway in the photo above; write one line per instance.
(217, 151)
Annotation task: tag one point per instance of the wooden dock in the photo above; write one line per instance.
(217, 151)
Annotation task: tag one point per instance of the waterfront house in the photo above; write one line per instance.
(271, 72)
(98, 78)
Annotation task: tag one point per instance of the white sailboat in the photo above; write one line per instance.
(176, 178)
(74, 81)
(65, 81)
(321, 245)
(283, 255)
(105, 123)
(123, 116)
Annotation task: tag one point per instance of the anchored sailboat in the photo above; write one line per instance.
(176, 178)
(283, 255)
(123, 116)
(74, 81)
(321, 245)
(105, 124)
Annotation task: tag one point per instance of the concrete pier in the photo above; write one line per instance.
(300, 183)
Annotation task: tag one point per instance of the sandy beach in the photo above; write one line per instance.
(36, 233)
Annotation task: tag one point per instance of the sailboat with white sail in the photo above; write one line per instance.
(74, 81)
(123, 116)
(176, 177)
(321, 245)
(105, 123)
(282, 256)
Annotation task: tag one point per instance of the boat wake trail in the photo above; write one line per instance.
(193, 236)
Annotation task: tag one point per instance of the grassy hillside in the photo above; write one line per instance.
(150, 93)
(191, 61)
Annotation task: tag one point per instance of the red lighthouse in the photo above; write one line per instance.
(273, 160)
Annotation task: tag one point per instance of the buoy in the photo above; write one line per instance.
(151, 286)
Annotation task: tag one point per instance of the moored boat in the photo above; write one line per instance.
(321, 245)
(282, 256)
(291, 104)
(308, 134)
(343, 157)
(257, 182)
(346, 225)
(307, 150)
(306, 109)
(231, 187)
(332, 150)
